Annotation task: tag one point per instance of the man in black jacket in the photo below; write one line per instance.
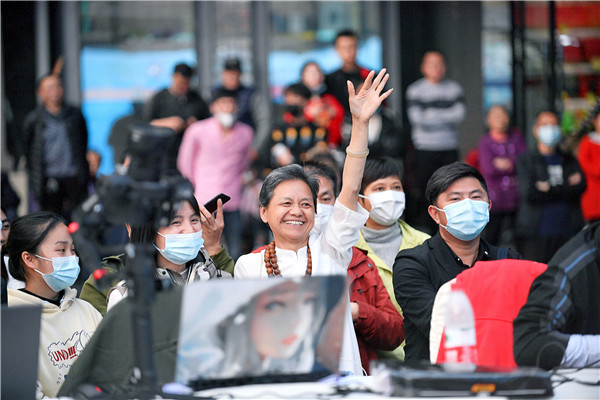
(459, 205)
(346, 45)
(55, 141)
(560, 323)
(176, 107)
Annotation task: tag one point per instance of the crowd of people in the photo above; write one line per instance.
(322, 191)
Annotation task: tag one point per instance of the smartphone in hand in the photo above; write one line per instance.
(211, 205)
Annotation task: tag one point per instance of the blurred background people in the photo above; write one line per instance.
(295, 138)
(214, 155)
(551, 184)
(435, 108)
(119, 134)
(498, 152)
(8, 279)
(176, 107)
(589, 161)
(5, 228)
(386, 139)
(346, 46)
(252, 107)
(323, 108)
(10, 200)
(55, 140)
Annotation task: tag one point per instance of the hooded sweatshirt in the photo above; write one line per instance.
(64, 332)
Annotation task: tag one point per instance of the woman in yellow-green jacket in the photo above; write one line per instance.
(385, 234)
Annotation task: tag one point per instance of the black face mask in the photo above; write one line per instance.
(293, 109)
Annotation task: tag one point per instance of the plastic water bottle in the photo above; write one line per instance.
(460, 350)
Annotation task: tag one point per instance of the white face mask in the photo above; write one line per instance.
(225, 119)
(386, 207)
(324, 211)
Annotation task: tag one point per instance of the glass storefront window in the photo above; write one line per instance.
(233, 38)
(577, 30)
(496, 57)
(537, 57)
(574, 85)
(534, 83)
(128, 52)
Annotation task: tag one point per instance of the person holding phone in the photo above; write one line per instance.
(187, 249)
(214, 154)
(180, 255)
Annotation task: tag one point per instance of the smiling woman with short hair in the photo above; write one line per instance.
(288, 204)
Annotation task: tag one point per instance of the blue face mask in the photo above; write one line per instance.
(181, 248)
(66, 271)
(466, 219)
(549, 135)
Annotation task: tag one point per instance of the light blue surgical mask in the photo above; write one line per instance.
(549, 135)
(66, 271)
(181, 248)
(466, 218)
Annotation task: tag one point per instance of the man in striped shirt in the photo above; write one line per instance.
(435, 109)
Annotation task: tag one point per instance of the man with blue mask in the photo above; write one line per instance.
(459, 204)
(551, 184)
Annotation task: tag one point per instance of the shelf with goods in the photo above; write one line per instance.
(578, 35)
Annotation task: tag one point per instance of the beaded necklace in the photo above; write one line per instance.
(271, 261)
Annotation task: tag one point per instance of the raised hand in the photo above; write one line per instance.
(368, 99)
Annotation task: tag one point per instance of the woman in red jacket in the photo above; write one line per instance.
(589, 161)
(323, 109)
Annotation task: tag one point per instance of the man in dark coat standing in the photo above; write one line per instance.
(55, 141)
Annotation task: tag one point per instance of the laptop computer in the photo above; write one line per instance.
(20, 346)
(239, 332)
